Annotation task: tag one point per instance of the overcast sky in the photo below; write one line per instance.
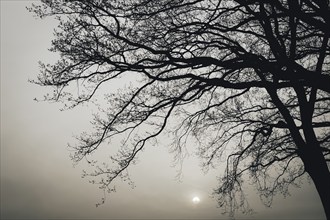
(38, 179)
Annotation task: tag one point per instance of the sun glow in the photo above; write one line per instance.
(196, 200)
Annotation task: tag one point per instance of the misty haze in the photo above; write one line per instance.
(192, 109)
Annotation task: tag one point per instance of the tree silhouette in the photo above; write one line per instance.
(248, 79)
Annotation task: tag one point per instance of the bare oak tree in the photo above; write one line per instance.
(248, 79)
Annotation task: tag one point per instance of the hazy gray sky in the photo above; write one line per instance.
(37, 176)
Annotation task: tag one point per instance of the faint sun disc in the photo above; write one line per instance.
(196, 200)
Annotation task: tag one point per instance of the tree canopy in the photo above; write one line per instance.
(248, 80)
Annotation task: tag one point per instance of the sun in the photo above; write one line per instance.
(196, 200)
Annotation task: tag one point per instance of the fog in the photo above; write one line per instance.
(38, 180)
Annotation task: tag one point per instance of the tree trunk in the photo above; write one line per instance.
(317, 168)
